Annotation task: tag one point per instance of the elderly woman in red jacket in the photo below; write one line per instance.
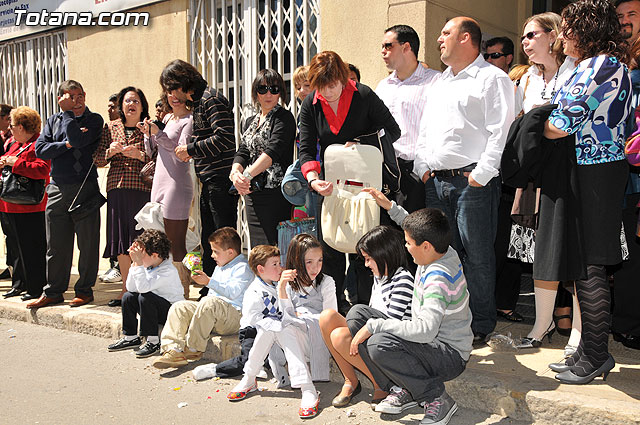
(26, 225)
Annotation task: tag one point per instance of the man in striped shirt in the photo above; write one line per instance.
(404, 92)
(212, 147)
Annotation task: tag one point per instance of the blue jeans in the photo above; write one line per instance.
(473, 216)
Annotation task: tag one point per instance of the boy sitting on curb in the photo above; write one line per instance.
(153, 286)
(259, 301)
(189, 323)
(412, 359)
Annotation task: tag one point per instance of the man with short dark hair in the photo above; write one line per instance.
(69, 140)
(5, 129)
(112, 107)
(404, 92)
(463, 131)
(499, 52)
(629, 16)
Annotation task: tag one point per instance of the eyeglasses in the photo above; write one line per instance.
(272, 89)
(531, 34)
(388, 46)
(495, 55)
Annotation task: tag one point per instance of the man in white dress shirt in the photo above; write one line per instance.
(462, 135)
(404, 92)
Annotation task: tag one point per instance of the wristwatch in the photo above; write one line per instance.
(247, 174)
(311, 181)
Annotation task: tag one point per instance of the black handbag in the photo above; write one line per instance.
(83, 204)
(21, 190)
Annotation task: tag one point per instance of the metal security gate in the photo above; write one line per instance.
(31, 70)
(231, 40)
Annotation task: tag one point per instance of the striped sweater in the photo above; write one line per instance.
(213, 142)
(440, 308)
(393, 296)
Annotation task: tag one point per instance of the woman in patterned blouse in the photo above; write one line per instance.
(264, 154)
(594, 105)
(122, 146)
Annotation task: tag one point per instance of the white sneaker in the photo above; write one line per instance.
(204, 372)
(262, 374)
(111, 276)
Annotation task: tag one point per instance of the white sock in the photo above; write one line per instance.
(204, 371)
(191, 350)
(576, 324)
(177, 350)
(309, 396)
(153, 339)
(244, 383)
(545, 303)
(130, 337)
(262, 374)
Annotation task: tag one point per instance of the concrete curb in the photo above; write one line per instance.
(496, 393)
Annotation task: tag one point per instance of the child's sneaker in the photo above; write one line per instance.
(240, 392)
(125, 344)
(396, 402)
(439, 411)
(192, 356)
(205, 371)
(262, 374)
(147, 350)
(171, 358)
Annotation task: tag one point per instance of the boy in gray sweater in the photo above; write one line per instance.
(412, 359)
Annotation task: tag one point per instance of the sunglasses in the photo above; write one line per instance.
(531, 34)
(389, 46)
(495, 55)
(264, 89)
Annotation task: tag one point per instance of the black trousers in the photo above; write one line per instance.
(5, 229)
(508, 270)
(265, 209)
(217, 209)
(26, 238)
(233, 367)
(61, 229)
(626, 288)
(152, 309)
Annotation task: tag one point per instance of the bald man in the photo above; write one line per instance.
(463, 132)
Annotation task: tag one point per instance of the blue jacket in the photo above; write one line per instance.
(70, 165)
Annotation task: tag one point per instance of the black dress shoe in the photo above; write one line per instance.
(114, 303)
(27, 297)
(13, 292)
(512, 316)
(6, 274)
(629, 341)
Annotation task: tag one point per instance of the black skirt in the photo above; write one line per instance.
(122, 206)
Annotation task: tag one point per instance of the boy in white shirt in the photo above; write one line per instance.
(153, 285)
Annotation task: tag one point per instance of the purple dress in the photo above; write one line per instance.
(172, 185)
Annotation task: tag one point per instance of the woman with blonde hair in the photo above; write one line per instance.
(26, 223)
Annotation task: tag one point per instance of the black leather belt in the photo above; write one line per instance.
(454, 173)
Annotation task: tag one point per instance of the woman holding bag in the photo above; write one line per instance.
(122, 146)
(338, 111)
(26, 223)
(264, 154)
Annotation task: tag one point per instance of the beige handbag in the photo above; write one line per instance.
(348, 213)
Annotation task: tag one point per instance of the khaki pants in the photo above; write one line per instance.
(189, 323)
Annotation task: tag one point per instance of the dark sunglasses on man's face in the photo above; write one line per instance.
(495, 55)
(265, 89)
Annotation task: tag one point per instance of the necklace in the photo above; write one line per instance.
(553, 91)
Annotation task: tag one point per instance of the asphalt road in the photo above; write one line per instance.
(52, 376)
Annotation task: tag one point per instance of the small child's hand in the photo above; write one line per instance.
(136, 252)
(200, 277)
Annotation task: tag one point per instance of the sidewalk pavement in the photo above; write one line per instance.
(517, 384)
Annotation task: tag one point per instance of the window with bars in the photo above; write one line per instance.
(231, 40)
(32, 68)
